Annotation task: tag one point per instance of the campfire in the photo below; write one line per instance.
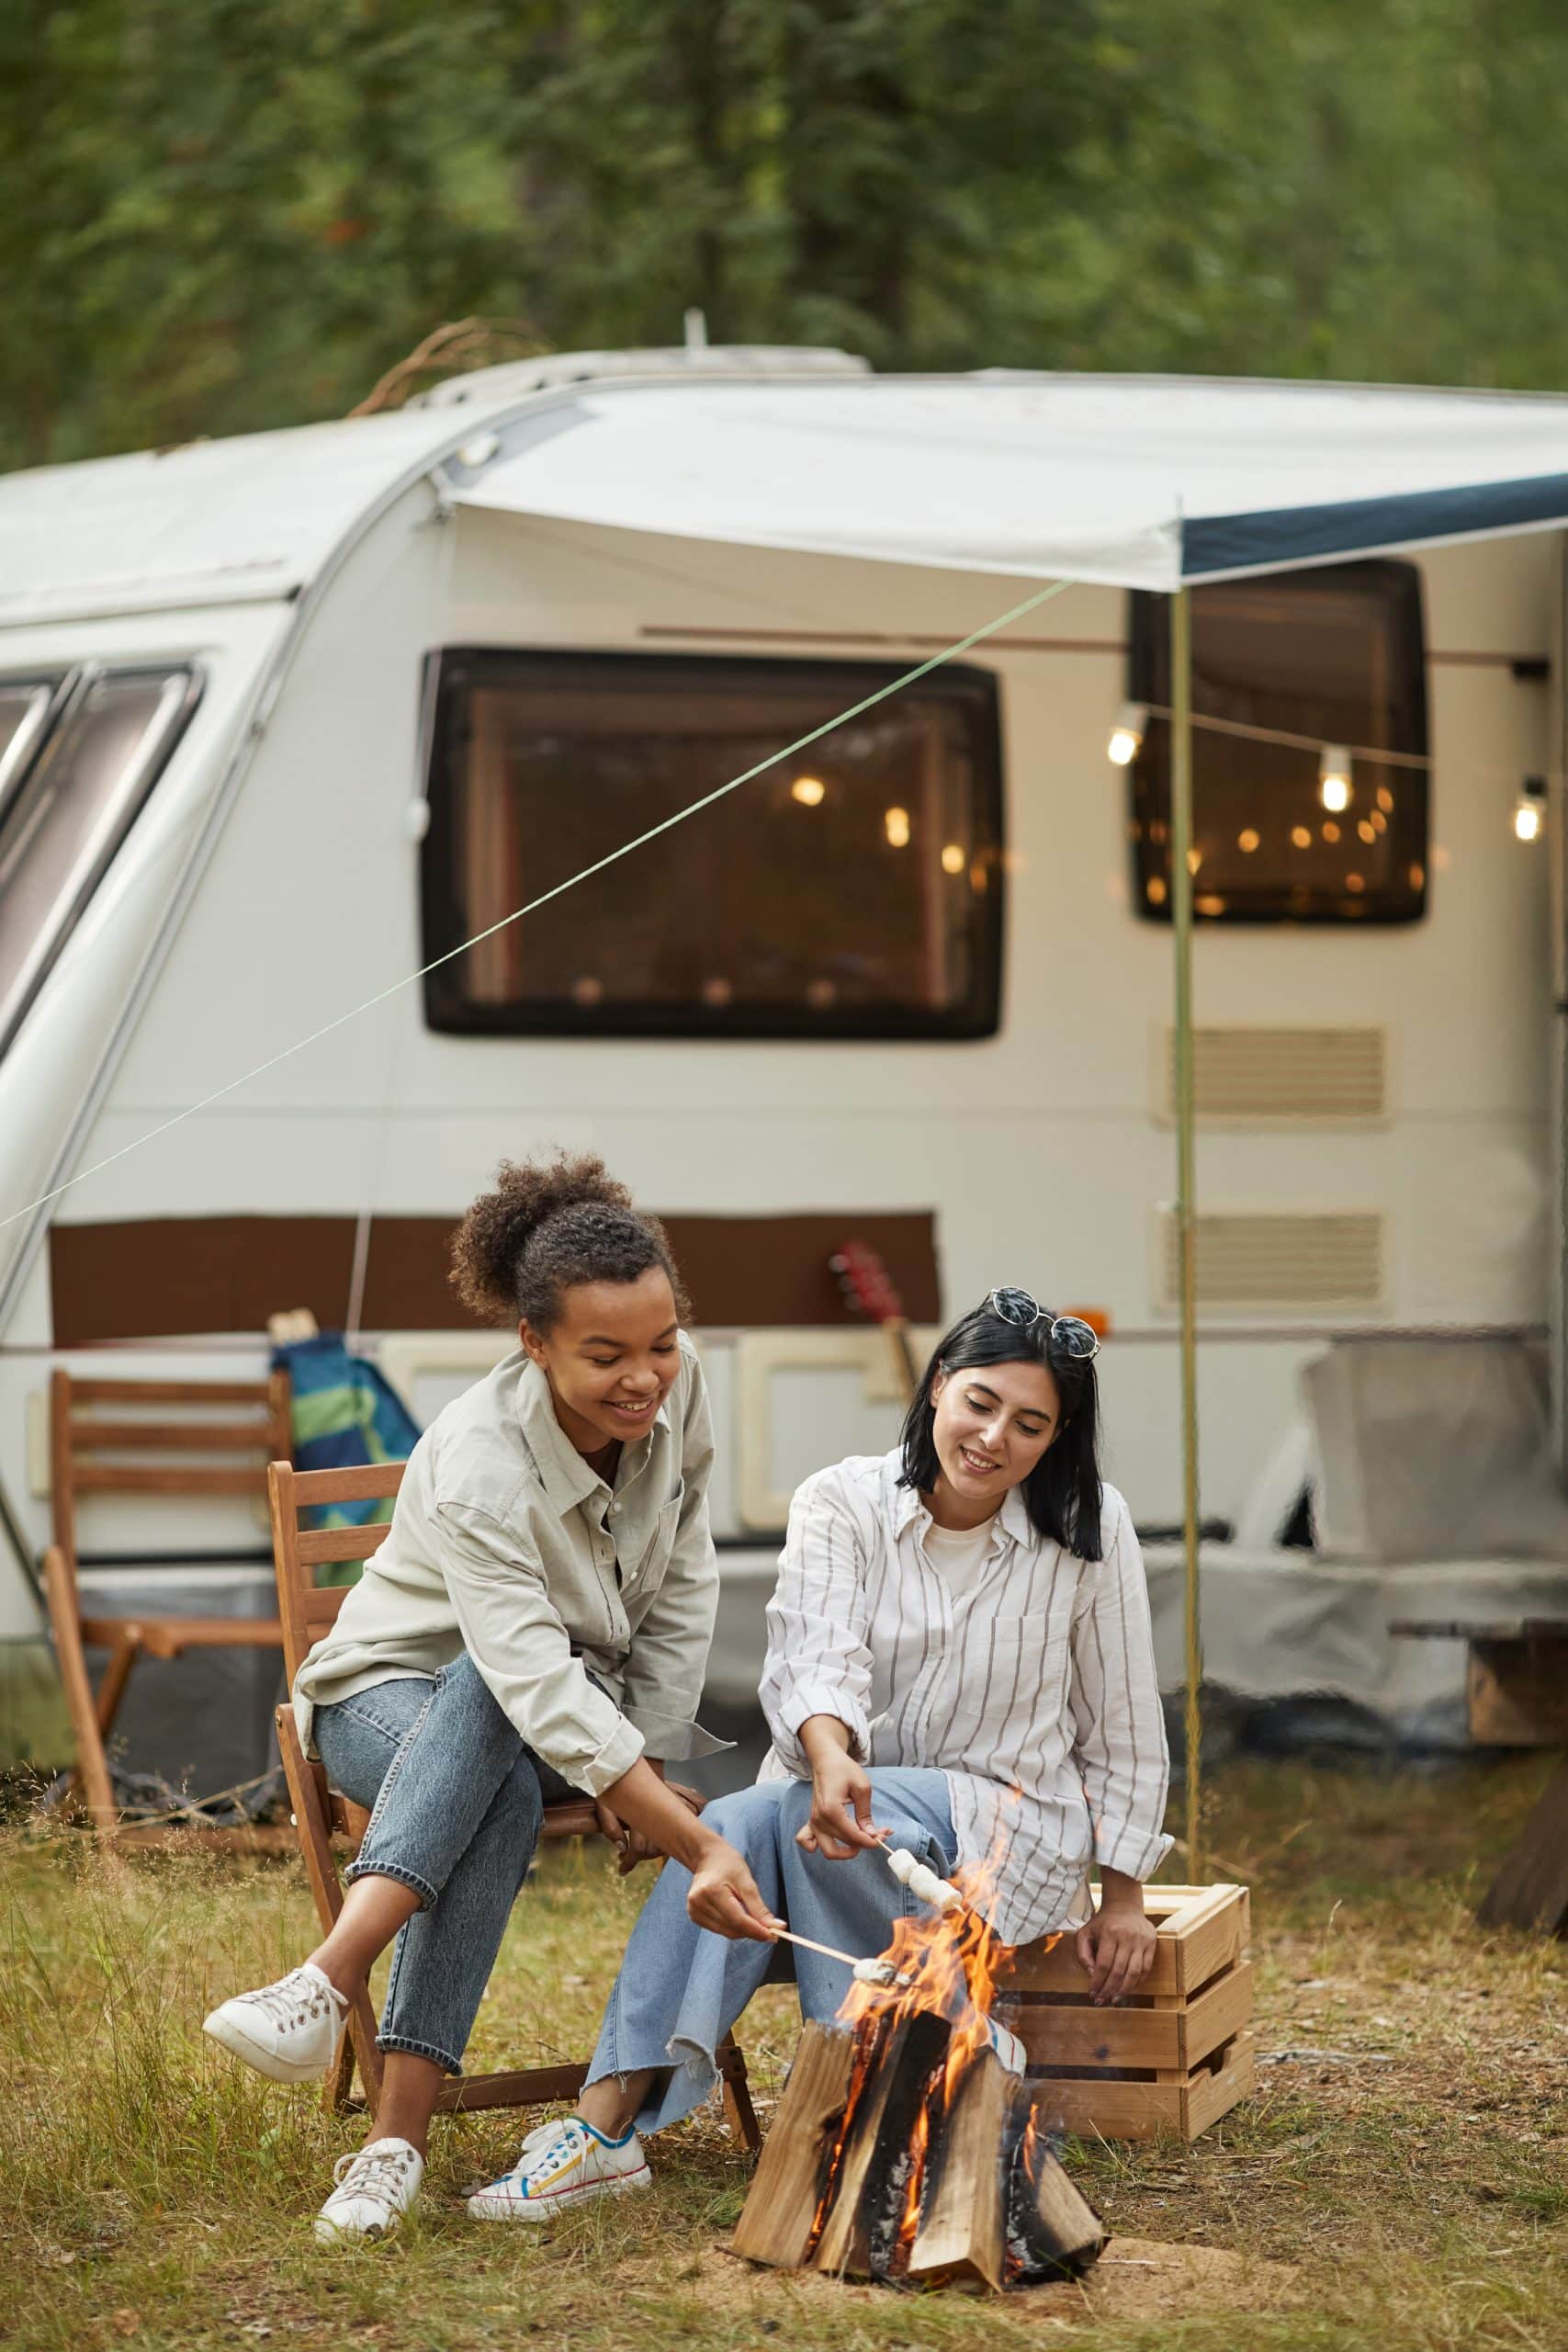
(907, 2145)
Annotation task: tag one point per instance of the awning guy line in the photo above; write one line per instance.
(667, 824)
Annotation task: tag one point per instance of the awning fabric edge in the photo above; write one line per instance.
(1273, 540)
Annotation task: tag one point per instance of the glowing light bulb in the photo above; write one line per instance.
(952, 859)
(1334, 777)
(1127, 734)
(1530, 809)
(809, 790)
(895, 825)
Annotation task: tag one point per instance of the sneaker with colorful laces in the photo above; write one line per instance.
(374, 2191)
(288, 2032)
(561, 2163)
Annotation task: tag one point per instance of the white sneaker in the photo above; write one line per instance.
(374, 2191)
(288, 2032)
(561, 2163)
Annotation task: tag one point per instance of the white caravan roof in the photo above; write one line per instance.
(256, 517)
(1136, 482)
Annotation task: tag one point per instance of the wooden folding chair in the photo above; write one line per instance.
(104, 1439)
(307, 1609)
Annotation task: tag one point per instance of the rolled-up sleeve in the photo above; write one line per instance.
(1119, 1743)
(667, 1662)
(818, 1661)
(514, 1635)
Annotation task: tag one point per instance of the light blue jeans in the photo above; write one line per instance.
(680, 1987)
(457, 1803)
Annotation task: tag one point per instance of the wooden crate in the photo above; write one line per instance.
(1173, 2058)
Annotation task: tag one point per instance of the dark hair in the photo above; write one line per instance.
(552, 1223)
(1062, 1493)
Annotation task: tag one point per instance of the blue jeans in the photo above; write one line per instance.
(457, 1803)
(680, 1987)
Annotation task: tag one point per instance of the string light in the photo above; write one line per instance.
(952, 859)
(1127, 735)
(895, 825)
(809, 790)
(1334, 777)
(1530, 809)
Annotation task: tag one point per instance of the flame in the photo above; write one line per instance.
(952, 1963)
(919, 2143)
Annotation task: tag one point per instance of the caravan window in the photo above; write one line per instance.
(26, 706)
(851, 891)
(68, 811)
(1336, 656)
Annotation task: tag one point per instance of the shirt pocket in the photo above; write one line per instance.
(1031, 1668)
(648, 1574)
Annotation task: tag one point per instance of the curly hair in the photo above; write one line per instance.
(549, 1224)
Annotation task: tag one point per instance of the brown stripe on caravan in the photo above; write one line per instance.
(165, 1277)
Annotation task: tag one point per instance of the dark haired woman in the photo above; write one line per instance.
(959, 1662)
(537, 1623)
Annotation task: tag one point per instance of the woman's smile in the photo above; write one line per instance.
(982, 1464)
(632, 1409)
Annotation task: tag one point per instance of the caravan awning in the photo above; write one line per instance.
(1140, 482)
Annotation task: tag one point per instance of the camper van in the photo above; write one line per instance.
(286, 721)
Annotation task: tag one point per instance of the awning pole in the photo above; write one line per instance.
(1186, 1232)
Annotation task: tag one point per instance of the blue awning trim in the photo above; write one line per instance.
(1360, 525)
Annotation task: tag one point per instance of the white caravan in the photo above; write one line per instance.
(284, 719)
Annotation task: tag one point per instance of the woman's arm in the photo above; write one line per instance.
(661, 1684)
(723, 1895)
(819, 1662)
(1119, 1745)
(840, 1824)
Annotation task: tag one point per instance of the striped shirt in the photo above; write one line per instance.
(1032, 1689)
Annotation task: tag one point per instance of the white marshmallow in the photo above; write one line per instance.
(922, 1880)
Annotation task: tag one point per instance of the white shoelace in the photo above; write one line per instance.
(547, 2142)
(380, 2172)
(296, 1998)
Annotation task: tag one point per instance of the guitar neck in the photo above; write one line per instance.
(906, 1371)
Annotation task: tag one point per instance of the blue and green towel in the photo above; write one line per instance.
(345, 1414)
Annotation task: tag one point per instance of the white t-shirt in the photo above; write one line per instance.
(958, 1554)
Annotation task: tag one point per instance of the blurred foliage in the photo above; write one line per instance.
(228, 214)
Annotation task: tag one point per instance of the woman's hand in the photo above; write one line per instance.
(840, 1825)
(631, 1847)
(725, 1896)
(1117, 1946)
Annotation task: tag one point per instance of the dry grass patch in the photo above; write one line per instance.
(1400, 2177)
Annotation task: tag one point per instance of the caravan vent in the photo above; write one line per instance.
(1248, 1076)
(1267, 1261)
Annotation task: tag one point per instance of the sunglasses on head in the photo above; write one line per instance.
(1067, 1335)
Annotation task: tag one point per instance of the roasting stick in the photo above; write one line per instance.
(866, 1972)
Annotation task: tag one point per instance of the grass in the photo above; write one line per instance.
(1412, 2173)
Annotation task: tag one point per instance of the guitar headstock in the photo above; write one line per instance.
(867, 1286)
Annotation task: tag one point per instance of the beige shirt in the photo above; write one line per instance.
(507, 1543)
(1030, 1686)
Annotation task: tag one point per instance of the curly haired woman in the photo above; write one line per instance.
(536, 1625)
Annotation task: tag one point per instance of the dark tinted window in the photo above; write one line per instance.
(853, 890)
(1334, 655)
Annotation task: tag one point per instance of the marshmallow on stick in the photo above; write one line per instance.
(922, 1880)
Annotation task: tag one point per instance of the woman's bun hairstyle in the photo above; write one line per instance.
(548, 1224)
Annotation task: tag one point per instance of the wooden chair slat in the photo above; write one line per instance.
(171, 1392)
(167, 1437)
(161, 1423)
(167, 1637)
(167, 1478)
(375, 1482)
(316, 1546)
